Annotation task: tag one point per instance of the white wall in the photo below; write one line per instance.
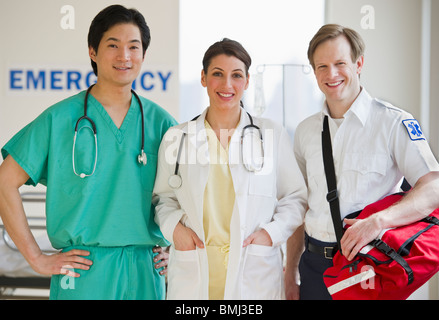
(434, 77)
(33, 39)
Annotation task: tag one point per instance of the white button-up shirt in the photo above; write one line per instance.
(375, 146)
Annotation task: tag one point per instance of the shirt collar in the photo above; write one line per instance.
(360, 108)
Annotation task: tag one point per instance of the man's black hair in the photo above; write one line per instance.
(111, 16)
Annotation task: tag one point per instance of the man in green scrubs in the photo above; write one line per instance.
(103, 223)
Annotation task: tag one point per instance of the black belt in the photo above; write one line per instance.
(327, 252)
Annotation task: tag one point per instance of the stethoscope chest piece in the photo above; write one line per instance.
(141, 158)
(175, 181)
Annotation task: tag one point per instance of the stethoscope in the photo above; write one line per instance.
(175, 181)
(141, 158)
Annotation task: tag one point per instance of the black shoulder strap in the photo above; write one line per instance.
(332, 196)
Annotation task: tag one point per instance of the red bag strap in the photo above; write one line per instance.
(391, 253)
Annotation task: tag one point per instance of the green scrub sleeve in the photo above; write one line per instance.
(29, 148)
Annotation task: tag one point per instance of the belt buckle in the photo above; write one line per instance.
(328, 255)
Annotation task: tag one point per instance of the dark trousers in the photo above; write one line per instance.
(311, 268)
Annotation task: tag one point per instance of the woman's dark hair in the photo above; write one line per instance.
(229, 48)
(111, 16)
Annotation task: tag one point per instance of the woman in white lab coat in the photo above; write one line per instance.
(227, 197)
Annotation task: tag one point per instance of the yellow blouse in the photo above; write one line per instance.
(219, 199)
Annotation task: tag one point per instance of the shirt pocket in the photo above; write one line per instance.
(316, 181)
(360, 172)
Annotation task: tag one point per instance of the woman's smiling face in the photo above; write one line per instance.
(226, 80)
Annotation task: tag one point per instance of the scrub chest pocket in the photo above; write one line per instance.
(148, 172)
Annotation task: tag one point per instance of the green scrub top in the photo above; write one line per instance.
(113, 206)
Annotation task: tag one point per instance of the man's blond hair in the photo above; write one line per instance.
(332, 31)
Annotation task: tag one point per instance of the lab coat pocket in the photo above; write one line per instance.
(262, 273)
(261, 185)
(184, 275)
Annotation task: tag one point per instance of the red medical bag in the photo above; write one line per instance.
(391, 267)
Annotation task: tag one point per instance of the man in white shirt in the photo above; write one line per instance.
(374, 146)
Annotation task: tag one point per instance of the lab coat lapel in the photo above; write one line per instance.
(238, 230)
(198, 168)
(240, 175)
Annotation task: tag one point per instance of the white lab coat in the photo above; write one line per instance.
(274, 199)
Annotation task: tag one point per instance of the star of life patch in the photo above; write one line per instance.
(413, 129)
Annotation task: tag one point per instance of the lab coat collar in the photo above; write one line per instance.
(360, 108)
(199, 124)
(197, 135)
(194, 129)
(195, 124)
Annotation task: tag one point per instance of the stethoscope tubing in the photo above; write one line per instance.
(83, 175)
(141, 158)
(175, 181)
